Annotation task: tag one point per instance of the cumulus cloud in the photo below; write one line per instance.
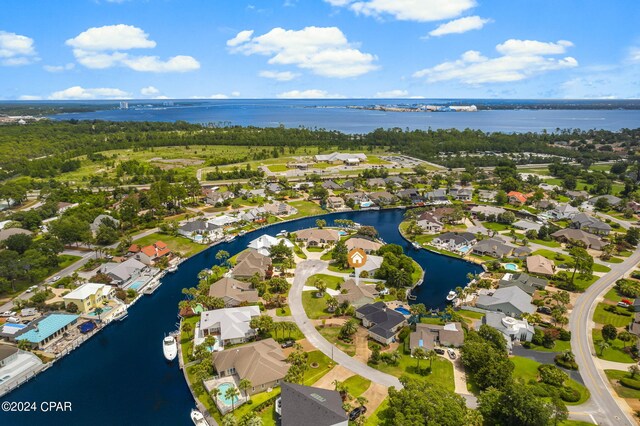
(59, 68)
(149, 91)
(324, 51)
(103, 47)
(78, 92)
(520, 59)
(459, 26)
(308, 94)
(278, 75)
(393, 94)
(16, 49)
(408, 10)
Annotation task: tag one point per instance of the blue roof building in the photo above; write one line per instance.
(44, 329)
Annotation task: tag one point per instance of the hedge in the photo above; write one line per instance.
(559, 359)
(569, 394)
(630, 383)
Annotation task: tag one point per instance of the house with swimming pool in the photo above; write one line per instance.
(89, 296)
(45, 329)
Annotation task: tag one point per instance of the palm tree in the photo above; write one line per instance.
(214, 394)
(278, 326)
(332, 304)
(419, 354)
(187, 328)
(244, 385)
(98, 311)
(362, 400)
(232, 393)
(336, 383)
(431, 355)
(603, 345)
(348, 329)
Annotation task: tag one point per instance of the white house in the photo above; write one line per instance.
(264, 243)
(230, 326)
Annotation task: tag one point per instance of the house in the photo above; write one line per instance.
(46, 328)
(302, 185)
(410, 194)
(437, 195)
(527, 225)
(540, 265)
(261, 363)
(563, 211)
(230, 326)
(591, 241)
(263, 244)
(427, 336)
(548, 187)
(487, 211)
(253, 215)
(335, 202)
(337, 157)
(430, 223)
(611, 199)
(372, 265)
(63, 206)
(521, 252)
(222, 221)
(89, 296)
(367, 246)
(524, 282)
(250, 263)
(122, 272)
(214, 197)
(493, 247)
(349, 185)
(590, 224)
(454, 241)
(461, 194)
(510, 300)
(545, 204)
(382, 198)
(233, 292)
(99, 221)
(358, 197)
(448, 215)
(356, 295)
(383, 323)
(376, 182)
(280, 209)
(8, 354)
(633, 205)
(310, 406)
(487, 196)
(196, 227)
(6, 233)
(514, 330)
(329, 184)
(577, 194)
(394, 181)
(274, 188)
(152, 253)
(516, 198)
(318, 237)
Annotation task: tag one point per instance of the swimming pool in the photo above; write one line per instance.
(222, 397)
(197, 238)
(403, 311)
(464, 249)
(136, 285)
(510, 266)
(342, 233)
(105, 310)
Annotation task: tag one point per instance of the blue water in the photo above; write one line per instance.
(222, 397)
(403, 311)
(333, 115)
(120, 376)
(136, 285)
(510, 266)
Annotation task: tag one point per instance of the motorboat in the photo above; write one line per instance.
(172, 268)
(198, 418)
(170, 348)
(452, 295)
(230, 238)
(416, 246)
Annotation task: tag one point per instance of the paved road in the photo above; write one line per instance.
(304, 270)
(580, 323)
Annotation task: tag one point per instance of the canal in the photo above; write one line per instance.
(120, 377)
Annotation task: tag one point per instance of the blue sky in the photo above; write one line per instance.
(111, 49)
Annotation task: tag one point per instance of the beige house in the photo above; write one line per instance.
(367, 246)
(233, 292)
(262, 363)
(427, 336)
(356, 295)
(251, 262)
(540, 265)
(335, 202)
(318, 237)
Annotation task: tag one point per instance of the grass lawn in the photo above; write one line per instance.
(331, 334)
(494, 226)
(315, 307)
(298, 251)
(615, 260)
(374, 418)
(330, 280)
(65, 260)
(558, 258)
(325, 365)
(315, 249)
(613, 295)
(603, 317)
(336, 268)
(178, 244)
(277, 168)
(357, 385)
(285, 311)
(575, 423)
(327, 256)
(583, 284)
(256, 400)
(527, 369)
(417, 273)
(600, 268)
(615, 352)
(559, 346)
(442, 370)
(551, 243)
(623, 392)
(305, 208)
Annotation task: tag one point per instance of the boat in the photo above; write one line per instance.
(122, 315)
(198, 418)
(452, 295)
(230, 238)
(241, 233)
(412, 296)
(416, 246)
(282, 233)
(170, 348)
(172, 268)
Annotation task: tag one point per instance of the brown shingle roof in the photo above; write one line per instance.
(259, 362)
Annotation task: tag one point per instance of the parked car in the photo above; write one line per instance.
(56, 278)
(357, 412)
(287, 344)
(30, 289)
(439, 351)
(544, 310)
(623, 304)
(452, 353)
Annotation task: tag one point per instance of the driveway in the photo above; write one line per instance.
(303, 271)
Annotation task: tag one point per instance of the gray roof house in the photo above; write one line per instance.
(329, 184)
(461, 194)
(510, 300)
(309, 406)
(437, 195)
(488, 196)
(612, 199)
(274, 187)
(524, 282)
(512, 329)
(376, 182)
(487, 210)
(590, 224)
(563, 211)
(494, 247)
(383, 323)
(122, 272)
(382, 197)
(98, 221)
(454, 240)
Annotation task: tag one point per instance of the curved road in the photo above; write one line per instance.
(581, 323)
(304, 270)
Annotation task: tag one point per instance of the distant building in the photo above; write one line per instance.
(337, 157)
(43, 330)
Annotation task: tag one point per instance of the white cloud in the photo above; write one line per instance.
(78, 92)
(102, 47)
(16, 49)
(520, 59)
(219, 96)
(324, 51)
(149, 91)
(59, 68)
(393, 94)
(308, 94)
(408, 10)
(459, 26)
(634, 54)
(235, 94)
(280, 76)
(30, 98)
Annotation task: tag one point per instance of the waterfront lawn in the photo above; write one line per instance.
(614, 377)
(315, 307)
(331, 334)
(305, 208)
(330, 281)
(177, 244)
(442, 370)
(604, 317)
(281, 335)
(325, 365)
(615, 352)
(417, 272)
(357, 385)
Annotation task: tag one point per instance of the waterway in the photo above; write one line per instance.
(120, 377)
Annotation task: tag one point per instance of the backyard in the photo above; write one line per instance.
(177, 244)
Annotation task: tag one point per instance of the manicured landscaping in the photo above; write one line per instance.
(330, 281)
(615, 352)
(613, 295)
(494, 226)
(177, 244)
(277, 168)
(597, 267)
(279, 332)
(551, 243)
(331, 334)
(336, 268)
(615, 376)
(324, 365)
(604, 317)
(315, 307)
(285, 311)
(298, 251)
(559, 346)
(357, 385)
(315, 249)
(441, 373)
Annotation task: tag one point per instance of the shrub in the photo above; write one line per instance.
(569, 365)
(630, 383)
(552, 375)
(568, 394)
(404, 333)
(550, 337)
(565, 335)
(537, 337)
(540, 391)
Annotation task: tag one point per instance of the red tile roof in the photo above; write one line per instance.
(518, 196)
(134, 248)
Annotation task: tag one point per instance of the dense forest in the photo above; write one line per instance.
(62, 141)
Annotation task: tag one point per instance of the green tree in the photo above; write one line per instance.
(18, 243)
(609, 332)
(517, 404)
(348, 329)
(339, 253)
(244, 385)
(419, 354)
(582, 262)
(633, 370)
(321, 223)
(552, 375)
(232, 394)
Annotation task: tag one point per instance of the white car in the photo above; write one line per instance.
(30, 289)
(56, 278)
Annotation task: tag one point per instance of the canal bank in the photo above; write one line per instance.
(121, 377)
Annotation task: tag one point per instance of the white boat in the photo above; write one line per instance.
(170, 348)
(197, 418)
(241, 233)
(121, 316)
(230, 238)
(452, 295)
(416, 246)
(412, 297)
(172, 268)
